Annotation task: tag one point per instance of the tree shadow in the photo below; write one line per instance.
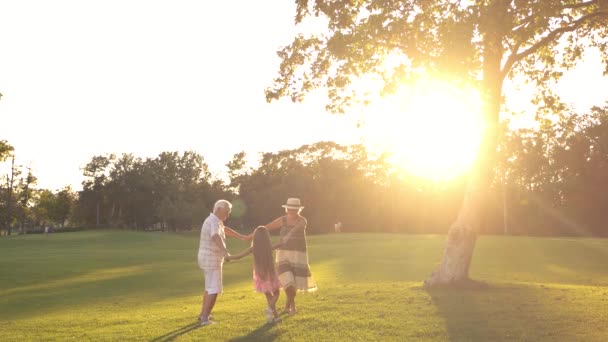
(170, 336)
(262, 333)
(122, 287)
(509, 312)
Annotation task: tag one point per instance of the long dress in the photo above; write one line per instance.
(292, 258)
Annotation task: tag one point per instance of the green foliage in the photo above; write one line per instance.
(54, 208)
(555, 175)
(343, 183)
(551, 180)
(171, 192)
(465, 41)
(112, 285)
(5, 150)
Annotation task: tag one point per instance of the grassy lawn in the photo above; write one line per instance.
(117, 286)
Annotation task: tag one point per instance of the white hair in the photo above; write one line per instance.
(222, 204)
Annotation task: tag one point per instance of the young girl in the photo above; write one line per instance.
(265, 278)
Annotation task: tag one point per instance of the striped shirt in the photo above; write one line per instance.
(210, 256)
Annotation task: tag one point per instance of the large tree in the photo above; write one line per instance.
(477, 42)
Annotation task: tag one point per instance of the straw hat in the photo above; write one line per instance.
(293, 203)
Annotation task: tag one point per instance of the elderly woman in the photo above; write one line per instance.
(292, 257)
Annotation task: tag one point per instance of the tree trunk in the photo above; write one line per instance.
(25, 200)
(505, 215)
(454, 267)
(458, 252)
(10, 198)
(97, 221)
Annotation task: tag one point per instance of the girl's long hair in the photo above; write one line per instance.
(262, 253)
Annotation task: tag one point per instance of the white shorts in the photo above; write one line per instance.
(213, 280)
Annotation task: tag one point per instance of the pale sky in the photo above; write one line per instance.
(82, 78)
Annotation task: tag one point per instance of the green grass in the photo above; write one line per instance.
(117, 286)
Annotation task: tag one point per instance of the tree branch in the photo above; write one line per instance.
(524, 23)
(579, 5)
(515, 57)
(529, 18)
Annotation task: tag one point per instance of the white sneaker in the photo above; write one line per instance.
(207, 322)
(269, 315)
(200, 318)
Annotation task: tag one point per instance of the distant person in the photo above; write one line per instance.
(265, 279)
(338, 227)
(211, 253)
(292, 255)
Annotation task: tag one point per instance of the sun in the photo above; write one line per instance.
(431, 129)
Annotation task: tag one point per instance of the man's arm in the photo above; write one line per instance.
(230, 232)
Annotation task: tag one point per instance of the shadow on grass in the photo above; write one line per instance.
(121, 290)
(170, 336)
(263, 333)
(510, 312)
(116, 285)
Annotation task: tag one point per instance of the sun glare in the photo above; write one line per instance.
(431, 129)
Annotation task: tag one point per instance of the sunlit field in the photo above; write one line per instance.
(118, 286)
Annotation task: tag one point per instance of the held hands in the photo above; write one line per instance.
(241, 255)
(229, 257)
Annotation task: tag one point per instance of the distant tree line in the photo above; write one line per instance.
(170, 192)
(554, 178)
(550, 180)
(24, 206)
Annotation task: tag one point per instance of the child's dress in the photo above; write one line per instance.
(266, 285)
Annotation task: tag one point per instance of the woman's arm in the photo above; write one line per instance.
(277, 245)
(230, 232)
(240, 255)
(274, 225)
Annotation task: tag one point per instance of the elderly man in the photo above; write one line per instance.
(211, 253)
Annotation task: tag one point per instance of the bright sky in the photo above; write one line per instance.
(82, 78)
